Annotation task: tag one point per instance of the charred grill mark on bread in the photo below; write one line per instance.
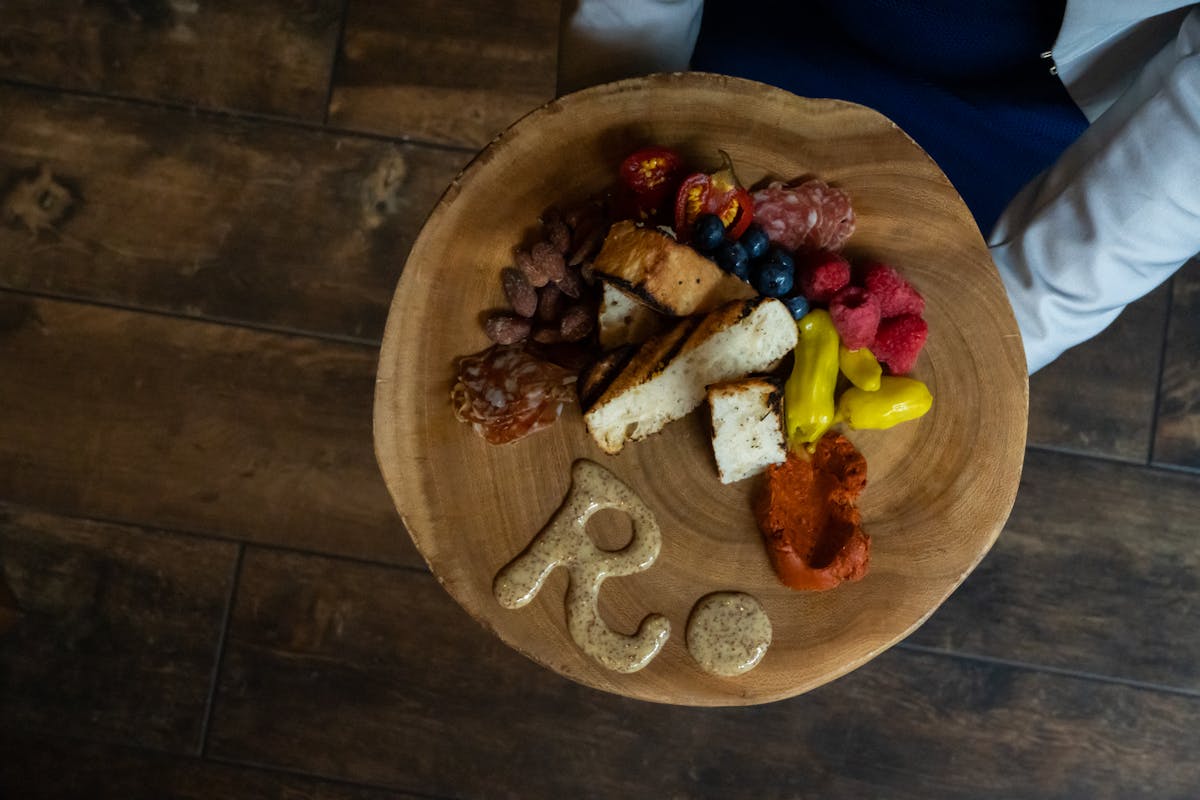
(684, 330)
(747, 308)
(599, 376)
(775, 398)
(638, 291)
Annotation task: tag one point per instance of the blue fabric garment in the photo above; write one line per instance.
(964, 78)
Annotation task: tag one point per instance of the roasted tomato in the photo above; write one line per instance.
(649, 177)
(717, 193)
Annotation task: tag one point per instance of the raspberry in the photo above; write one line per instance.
(896, 296)
(899, 341)
(824, 274)
(855, 313)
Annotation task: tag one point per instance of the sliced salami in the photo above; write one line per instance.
(506, 393)
(811, 215)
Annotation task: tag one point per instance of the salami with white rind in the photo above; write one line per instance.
(811, 215)
(505, 393)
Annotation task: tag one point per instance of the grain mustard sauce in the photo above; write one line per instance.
(728, 633)
(565, 542)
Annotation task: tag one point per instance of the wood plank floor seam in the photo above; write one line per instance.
(355, 341)
(421, 570)
(452, 72)
(209, 537)
(236, 115)
(1178, 691)
(1162, 368)
(1175, 469)
(338, 45)
(1177, 429)
(1108, 459)
(222, 637)
(265, 769)
(278, 770)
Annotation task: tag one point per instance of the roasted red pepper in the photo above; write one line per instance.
(648, 179)
(718, 193)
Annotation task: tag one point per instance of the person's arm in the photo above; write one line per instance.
(1116, 215)
(604, 40)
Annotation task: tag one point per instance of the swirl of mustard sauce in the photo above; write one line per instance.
(565, 542)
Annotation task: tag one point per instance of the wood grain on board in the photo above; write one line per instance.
(269, 57)
(193, 426)
(210, 217)
(36, 767)
(456, 73)
(118, 633)
(1177, 437)
(372, 674)
(1097, 571)
(1098, 397)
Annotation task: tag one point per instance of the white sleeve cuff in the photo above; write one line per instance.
(1116, 216)
(606, 40)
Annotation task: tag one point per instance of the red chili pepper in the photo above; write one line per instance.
(648, 179)
(718, 193)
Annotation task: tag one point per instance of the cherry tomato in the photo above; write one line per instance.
(651, 170)
(718, 193)
(648, 180)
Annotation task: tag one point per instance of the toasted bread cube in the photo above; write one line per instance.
(667, 276)
(747, 426)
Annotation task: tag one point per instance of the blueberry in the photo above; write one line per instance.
(755, 241)
(732, 258)
(777, 255)
(797, 304)
(776, 273)
(708, 232)
(774, 279)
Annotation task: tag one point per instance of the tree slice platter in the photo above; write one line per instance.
(939, 489)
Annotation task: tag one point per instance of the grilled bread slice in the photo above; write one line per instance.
(666, 379)
(747, 426)
(601, 373)
(624, 319)
(667, 276)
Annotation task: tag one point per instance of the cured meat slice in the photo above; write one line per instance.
(506, 393)
(811, 215)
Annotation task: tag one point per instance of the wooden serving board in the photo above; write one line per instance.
(939, 491)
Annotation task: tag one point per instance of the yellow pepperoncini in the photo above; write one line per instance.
(808, 394)
(897, 400)
(860, 367)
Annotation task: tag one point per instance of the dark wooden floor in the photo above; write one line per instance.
(206, 207)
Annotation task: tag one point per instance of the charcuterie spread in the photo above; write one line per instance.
(677, 288)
